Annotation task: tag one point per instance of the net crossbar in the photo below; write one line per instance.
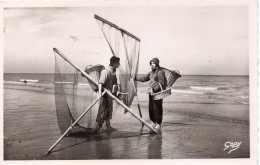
(73, 91)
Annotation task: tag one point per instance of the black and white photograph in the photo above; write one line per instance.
(125, 80)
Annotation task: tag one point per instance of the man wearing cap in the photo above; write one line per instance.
(157, 82)
(107, 80)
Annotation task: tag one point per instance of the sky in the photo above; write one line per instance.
(196, 40)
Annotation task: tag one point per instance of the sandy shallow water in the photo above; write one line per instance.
(188, 131)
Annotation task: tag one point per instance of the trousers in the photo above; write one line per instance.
(105, 109)
(155, 110)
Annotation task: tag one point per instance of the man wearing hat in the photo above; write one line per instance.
(157, 83)
(107, 80)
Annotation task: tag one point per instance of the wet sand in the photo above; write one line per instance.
(188, 131)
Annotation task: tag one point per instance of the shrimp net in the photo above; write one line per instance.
(74, 92)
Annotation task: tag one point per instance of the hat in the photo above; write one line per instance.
(114, 60)
(155, 60)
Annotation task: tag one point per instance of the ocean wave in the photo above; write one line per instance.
(67, 82)
(19, 83)
(28, 80)
(242, 102)
(181, 87)
(203, 88)
(243, 97)
(186, 92)
(83, 84)
(13, 82)
(22, 85)
(67, 85)
(63, 82)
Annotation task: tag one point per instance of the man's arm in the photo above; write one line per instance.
(102, 80)
(142, 78)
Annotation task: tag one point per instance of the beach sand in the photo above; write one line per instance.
(188, 131)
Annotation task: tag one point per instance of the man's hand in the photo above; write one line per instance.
(133, 76)
(83, 75)
(149, 90)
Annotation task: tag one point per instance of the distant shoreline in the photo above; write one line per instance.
(142, 74)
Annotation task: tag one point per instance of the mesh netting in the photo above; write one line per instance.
(127, 47)
(72, 96)
(74, 93)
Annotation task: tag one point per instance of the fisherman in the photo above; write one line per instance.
(107, 80)
(157, 83)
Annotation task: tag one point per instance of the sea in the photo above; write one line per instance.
(198, 89)
(199, 108)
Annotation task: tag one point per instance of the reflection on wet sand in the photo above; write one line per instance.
(104, 149)
(187, 132)
(154, 149)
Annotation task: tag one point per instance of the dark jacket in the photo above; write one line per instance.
(155, 77)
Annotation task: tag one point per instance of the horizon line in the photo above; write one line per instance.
(139, 73)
